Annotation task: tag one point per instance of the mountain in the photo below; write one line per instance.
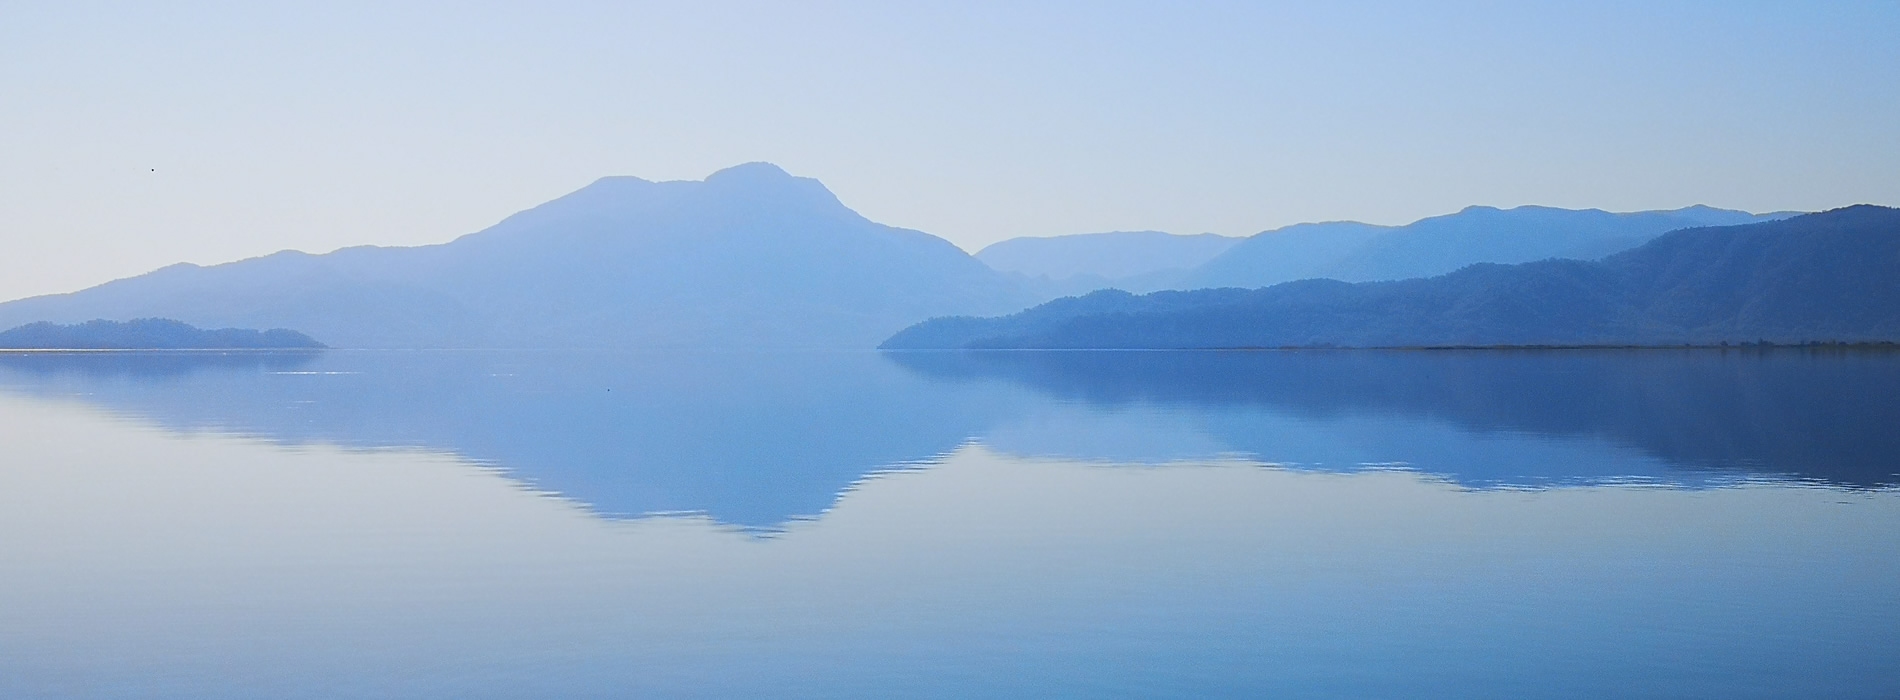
(148, 334)
(1126, 259)
(750, 257)
(1832, 276)
(1355, 252)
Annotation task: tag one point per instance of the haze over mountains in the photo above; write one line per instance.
(1122, 259)
(1343, 250)
(753, 257)
(1823, 277)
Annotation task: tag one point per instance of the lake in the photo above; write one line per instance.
(463, 524)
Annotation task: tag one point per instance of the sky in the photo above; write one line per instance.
(137, 135)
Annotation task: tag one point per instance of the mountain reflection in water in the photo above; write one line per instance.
(1817, 414)
(756, 439)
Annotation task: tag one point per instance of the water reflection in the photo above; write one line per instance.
(144, 563)
(151, 365)
(1825, 415)
(753, 439)
(761, 439)
(351, 525)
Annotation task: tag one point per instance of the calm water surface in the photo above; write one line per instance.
(1313, 524)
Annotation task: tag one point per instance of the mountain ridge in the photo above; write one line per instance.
(749, 257)
(1351, 251)
(1814, 278)
(1146, 261)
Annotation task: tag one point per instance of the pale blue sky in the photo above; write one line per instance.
(322, 125)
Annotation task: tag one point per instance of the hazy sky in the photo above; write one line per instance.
(137, 135)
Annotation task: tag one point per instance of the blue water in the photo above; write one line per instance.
(1281, 524)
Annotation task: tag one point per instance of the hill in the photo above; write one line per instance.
(148, 334)
(1355, 252)
(1832, 276)
(750, 257)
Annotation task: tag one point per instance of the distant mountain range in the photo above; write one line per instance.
(749, 257)
(1832, 276)
(1353, 252)
(1146, 261)
(148, 334)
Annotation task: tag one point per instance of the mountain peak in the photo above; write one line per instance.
(749, 186)
(764, 184)
(756, 171)
(748, 176)
(761, 177)
(615, 184)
